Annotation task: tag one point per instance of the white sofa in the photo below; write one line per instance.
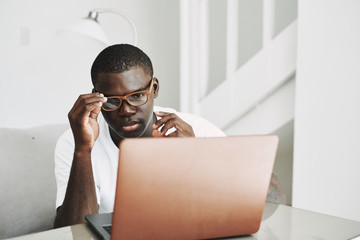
(27, 179)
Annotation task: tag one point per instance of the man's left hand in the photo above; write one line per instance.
(168, 121)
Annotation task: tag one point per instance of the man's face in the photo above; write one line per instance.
(128, 121)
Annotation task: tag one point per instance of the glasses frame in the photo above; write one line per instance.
(122, 98)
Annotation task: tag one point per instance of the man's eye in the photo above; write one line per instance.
(113, 100)
(137, 96)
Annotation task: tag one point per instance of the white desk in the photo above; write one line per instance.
(279, 222)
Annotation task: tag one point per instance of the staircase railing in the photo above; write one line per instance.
(243, 88)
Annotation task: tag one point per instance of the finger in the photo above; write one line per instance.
(95, 112)
(84, 112)
(87, 105)
(174, 134)
(181, 131)
(88, 97)
(90, 102)
(164, 119)
(169, 125)
(157, 133)
(171, 120)
(82, 115)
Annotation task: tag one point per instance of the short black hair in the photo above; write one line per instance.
(119, 58)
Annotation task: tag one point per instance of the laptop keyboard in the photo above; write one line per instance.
(107, 228)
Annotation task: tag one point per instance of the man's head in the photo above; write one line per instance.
(120, 58)
(123, 70)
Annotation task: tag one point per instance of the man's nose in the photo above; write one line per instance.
(126, 109)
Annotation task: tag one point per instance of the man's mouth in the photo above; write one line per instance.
(130, 127)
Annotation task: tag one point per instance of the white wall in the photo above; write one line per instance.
(327, 115)
(42, 74)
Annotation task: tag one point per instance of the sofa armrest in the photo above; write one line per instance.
(27, 179)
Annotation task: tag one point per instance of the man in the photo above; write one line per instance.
(120, 106)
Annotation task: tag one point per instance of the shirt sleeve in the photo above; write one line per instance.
(64, 152)
(63, 159)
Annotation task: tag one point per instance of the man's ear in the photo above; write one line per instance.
(156, 87)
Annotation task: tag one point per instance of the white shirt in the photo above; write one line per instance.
(105, 154)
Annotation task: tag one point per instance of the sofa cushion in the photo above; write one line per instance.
(27, 179)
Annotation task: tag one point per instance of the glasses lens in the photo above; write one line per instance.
(137, 99)
(111, 103)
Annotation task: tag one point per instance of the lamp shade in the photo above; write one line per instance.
(90, 28)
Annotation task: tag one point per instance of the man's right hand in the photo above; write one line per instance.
(83, 120)
(80, 198)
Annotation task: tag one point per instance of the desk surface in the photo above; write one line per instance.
(279, 222)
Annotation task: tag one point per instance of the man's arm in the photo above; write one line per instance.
(275, 192)
(80, 198)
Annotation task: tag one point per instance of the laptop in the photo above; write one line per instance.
(189, 188)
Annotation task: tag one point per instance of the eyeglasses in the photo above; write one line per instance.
(134, 99)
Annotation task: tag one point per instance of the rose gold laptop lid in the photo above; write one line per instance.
(192, 188)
